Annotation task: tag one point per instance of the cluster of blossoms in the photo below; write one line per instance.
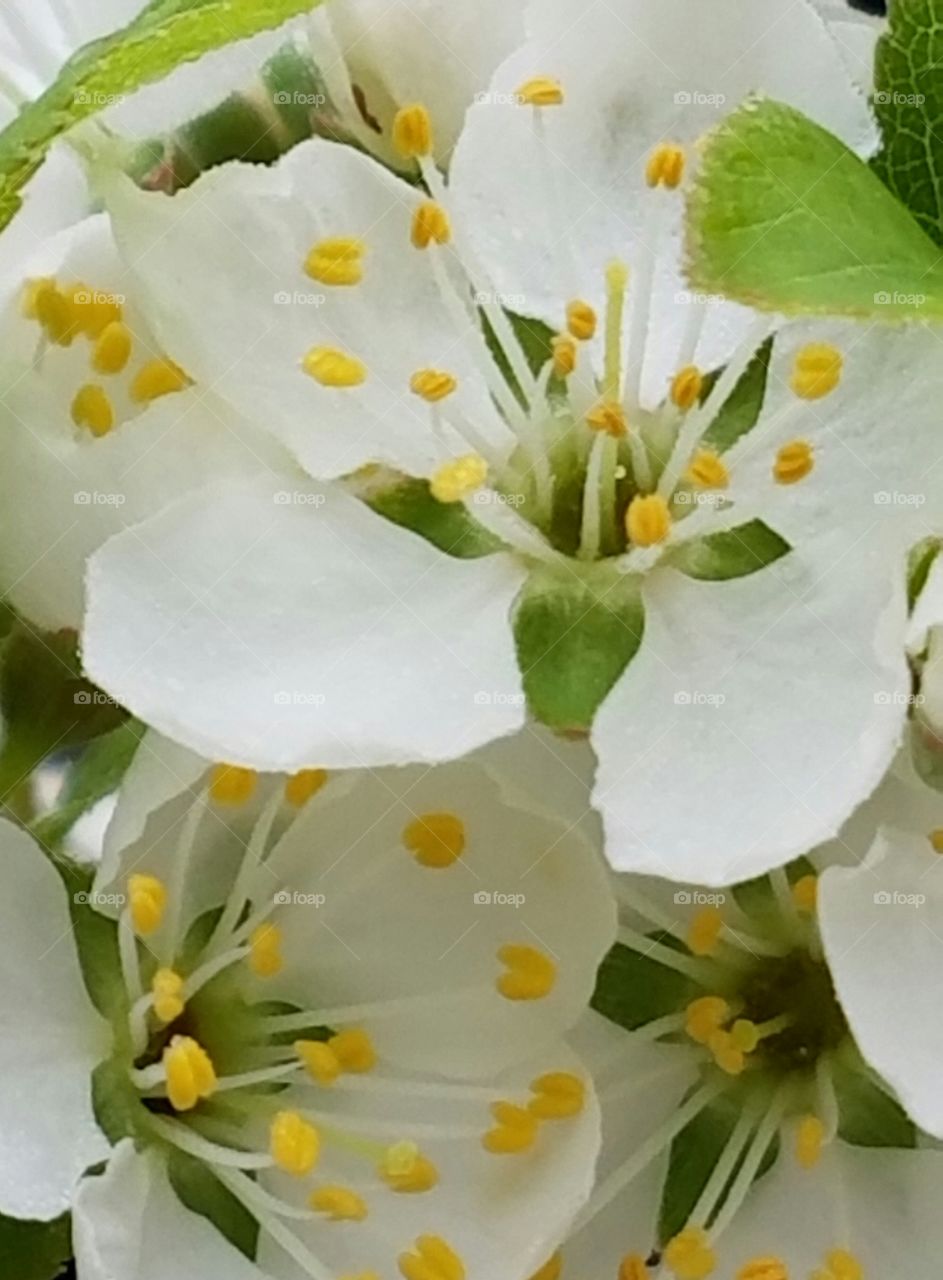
(530, 864)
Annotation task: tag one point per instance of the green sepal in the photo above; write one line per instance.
(447, 525)
(204, 1194)
(633, 989)
(733, 553)
(34, 1250)
(869, 1116)
(741, 409)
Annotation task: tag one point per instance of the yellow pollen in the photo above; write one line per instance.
(294, 1143)
(265, 951)
(112, 349)
(431, 225)
(763, 1269)
(148, 898)
(551, 1270)
(541, 91)
(665, 166)
(581, 320)
(354, 1050)
(936, 839)
(731, 1060)
(33, 290)
(302, 787)
(843, 1265)
(55, 313)
(817, 371)
(190, 1073)
(332, 367)
(432, 384)
(412, 131)
(794, 462)
(431, 1259)
(93, 311)
(92, 409)
(704, 1016)
(608, 416)
(167, 991)
(632, 1267)
(564, 354)
(689, 1255)
(340, 1204)
(810, 1139)
(406, 1170)
(805, 893)
(530, 975)
(321, 1062)
(515, 1131)
(648, 520)
(686, 387)
(458, 479)
(338, 261)
(745, 1035)
(704, 931)
(232, 785)
(557, 1096)
(435, 839)
(156, 379)
(707, 471)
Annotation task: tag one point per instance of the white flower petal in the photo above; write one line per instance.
(284, 629)
(51, 1039)
(129, 1225)
(756, 715)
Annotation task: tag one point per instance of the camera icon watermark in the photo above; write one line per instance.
(298, 498)
(294, 898)
(697, 98)
(86, 498)
(92, 898)
(488, 898)
(284, 98)
(298, 698)
(698, 698)
(888, 898)
(496, 698)
(698, 898)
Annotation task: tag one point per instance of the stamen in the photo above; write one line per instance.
(340, 1204)
(431, 1259)
(157, 378)
(112, 349)
(515, 1131)
(93, 311)
(332, 367)
(55, 314)
(431, 225)
(686, 387)
(557, 1096)
(295, 1144)
(190, 1074)
(148, 898)
(763, 1269)
(793, 463)
(805, 894)
(817, 371)
(412, 132)
(354, 1050)
(608, 416)
(530, 975)
(457, 480)
(564, 354)
(707, 471)
(435, 839)
(33, 291)
(704, 1016)
(541, 91)
(648, 520)
(936, 839)
(265, 951)
(303, 786)
(689, 1255)
(705, 929)
(840, 1265)
(551, 1270)
(232, 785)
(92, 408)
(320, 1060)
(665, 166)
(701, 971)
(167, 993)
(433, 385)
(632, 1267)
(581, 320)
(731, 1059)
(336, 261)
(406, 1170)
(740, 1188)
(810, 1140)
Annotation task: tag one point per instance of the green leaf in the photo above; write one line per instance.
(96, 774)
(202, 1193)
(784, 217)
(908, 102)
(34, 1250)
(167, 34)
(731, 554)
(447, 525)
(740, 411)
(869, 1117)
(576, 631)
(632, 989)
(919, 563)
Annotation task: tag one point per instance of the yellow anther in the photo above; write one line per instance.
(763, 1269)
(148, 898)
(93, 311)
(435, 839)
(707, 471)
(530, 975)
(608, 416)
(794, 462)
(321, 1062)
(458, 479)
(843, 1265)
(354, 1050)
(557, 1096)
(294, 1143)
(431, 225)
(340, 1204)
(704, 1016)
(731, 1060)
(265, 951)
(303, 786)
(332, 367)
(406, 1170)
(805, 893)
(515, 1130)
(810, 1139)
(190, 1073)
(817, 371)
(338, 260)
(56, 314)
(167, 991)
(745, 1035)
(431, 1259)
(632, 1267)
(564, 351)
(665, 166)
(541, 91)
(686, 387)
(412, 131)
(936, 840)
(432, 384)
(33, 290)
(112, 349)
(156, 379)
(648, 520)
(232, 785)
(551, 1270)
(689, 1255)
(93, 410)
(581, 320)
